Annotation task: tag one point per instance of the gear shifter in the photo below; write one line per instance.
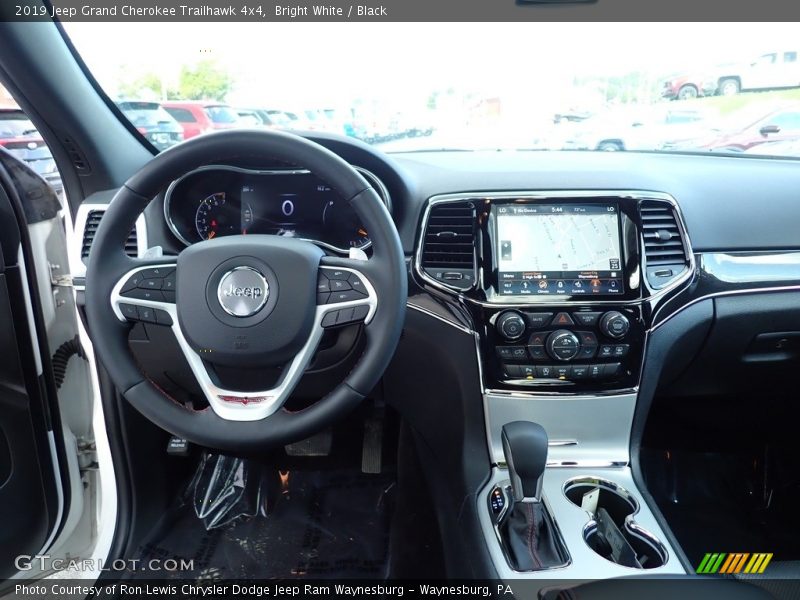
(528, 531)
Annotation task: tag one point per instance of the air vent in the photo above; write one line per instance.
(448, 249)
(92, 222)
(664, 249)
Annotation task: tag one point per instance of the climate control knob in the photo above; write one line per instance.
(614, 324)
(563, 345)
(510, 325)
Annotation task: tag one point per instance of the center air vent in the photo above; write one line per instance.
(89, 231)
(665, 253)
(448, 246)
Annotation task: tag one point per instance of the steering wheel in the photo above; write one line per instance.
(245, 301)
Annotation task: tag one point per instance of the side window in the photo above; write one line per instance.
(788, 121)
(789, 57)
(766, 59)
(19, 137)
(181, 115)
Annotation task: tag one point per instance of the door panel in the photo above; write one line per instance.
(31, 498)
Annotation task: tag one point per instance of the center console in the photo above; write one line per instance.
(560, 289)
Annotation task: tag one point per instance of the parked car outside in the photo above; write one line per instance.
(153, 122)
(746, 129)
(683, 87)
(20, 138)
(784, 148)
(198, 117)
(274, 119)
(626, 128)
(780, 69)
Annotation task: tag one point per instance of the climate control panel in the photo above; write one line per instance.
(585, 348)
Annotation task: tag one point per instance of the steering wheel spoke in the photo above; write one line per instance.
(147, 294)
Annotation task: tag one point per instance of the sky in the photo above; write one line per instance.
(299, 63)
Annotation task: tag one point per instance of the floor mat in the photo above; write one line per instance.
(319, 524)
(725, 502)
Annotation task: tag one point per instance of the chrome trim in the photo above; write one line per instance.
(546, 195)
(241, 407)
(602, 483)
(372, 179)
(571, 520)
(221, 293)
(504, 487)
(77, 266)
(430, 313)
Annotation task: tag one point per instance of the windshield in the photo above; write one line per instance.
(15, 124)
(470, 86)
(145, 113)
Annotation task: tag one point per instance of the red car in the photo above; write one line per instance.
(198, 117)
(682, 87)
(776, 125)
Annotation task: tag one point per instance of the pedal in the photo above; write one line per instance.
(317, 445)
(371, 451)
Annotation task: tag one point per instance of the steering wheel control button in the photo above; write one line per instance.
(157, 272)
(346, 296)
(563, 345)
(242, 292)
(151, 284)
(323, 284)
(345, 316)
(510, 325)
(587, 319)
(614, 324)
(357, 284)
(336, 274)
(322, 298)
(129, 311)
(132, 283)
(562, 318)
(147, 314)
(169, 282)
(539, 319)
(339, 285)
(162, 317)
(169, 296)
(143, 294)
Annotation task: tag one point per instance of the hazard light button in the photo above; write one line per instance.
(562, 318)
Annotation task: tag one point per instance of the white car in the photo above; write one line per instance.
(625, 128)
(769, 71)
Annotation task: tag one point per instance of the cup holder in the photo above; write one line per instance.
(612, 533)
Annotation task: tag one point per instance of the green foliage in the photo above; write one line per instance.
(204, 81)
(147, 86)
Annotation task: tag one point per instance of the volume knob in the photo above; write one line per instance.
(510, 325)
(614, 324)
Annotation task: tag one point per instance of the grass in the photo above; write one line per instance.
(727, 105)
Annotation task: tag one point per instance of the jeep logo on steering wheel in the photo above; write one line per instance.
(242, 292)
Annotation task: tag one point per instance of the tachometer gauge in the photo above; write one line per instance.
(211, 218)
(342, 225)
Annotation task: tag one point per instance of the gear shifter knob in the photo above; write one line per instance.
(525, 449)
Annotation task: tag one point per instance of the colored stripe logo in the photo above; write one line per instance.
(737, 562)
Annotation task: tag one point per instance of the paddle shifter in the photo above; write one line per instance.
(528, 531)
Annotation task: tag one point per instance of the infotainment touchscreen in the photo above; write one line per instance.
(559, 249)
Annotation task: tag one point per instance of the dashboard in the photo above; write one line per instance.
(221, 200)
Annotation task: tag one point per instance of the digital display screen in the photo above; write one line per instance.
(559, 249)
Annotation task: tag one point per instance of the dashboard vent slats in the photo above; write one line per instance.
(448, 249)
(665, 252)
(89, 231)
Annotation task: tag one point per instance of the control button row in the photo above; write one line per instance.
(564, 372)
(539, 320)
(345, 316)
(613, 350)
(145, 314)
(335, 286)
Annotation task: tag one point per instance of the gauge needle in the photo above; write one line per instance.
(361, 231)
(212, 234)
